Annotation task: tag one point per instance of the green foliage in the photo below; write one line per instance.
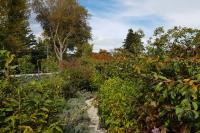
(49, 65)
(66, 27)
(24, 65)
(170, 94)
(116, 103)
(85, 50)
(30, 106)
(178, 41)
(14, 29)
(96, 80)
(77, 75)
(40, 52)
(164, 94)
(5, 60)
(172, 97)
(33, 106)
(122, 68)
(133, 42)
(165, 85)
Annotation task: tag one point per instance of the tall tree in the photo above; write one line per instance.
(133, 42)
(14, 20)
(183, 41)
(159, 42)
(3, 21)
(176, 42)
(64, 22)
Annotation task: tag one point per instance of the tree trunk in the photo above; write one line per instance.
(185, 128)
(61, 64)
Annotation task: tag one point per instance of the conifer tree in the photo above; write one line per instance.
(14, 25)
(133, 42)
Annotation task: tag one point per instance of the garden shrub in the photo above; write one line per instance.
(116, 103)
(25, 66)
(165, 95)
(122, 68)
(49, 65)
(172, 98)
(77, 75)
(6, 59)
(33, 106)
(96, 80)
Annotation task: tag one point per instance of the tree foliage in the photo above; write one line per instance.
(133, 42)
(14, 26)
(165, 90)
(178, 41)
(64, 22)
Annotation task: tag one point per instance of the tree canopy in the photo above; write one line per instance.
(178, 41)
(133, 42)
(64, 22)
(14, 25)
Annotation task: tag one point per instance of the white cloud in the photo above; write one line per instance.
(107, 33)
(175, 12)
(113, 27)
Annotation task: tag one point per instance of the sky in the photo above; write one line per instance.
(111, 19)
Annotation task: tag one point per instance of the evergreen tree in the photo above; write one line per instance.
(15, 29)
(3, 21)
(133, 42)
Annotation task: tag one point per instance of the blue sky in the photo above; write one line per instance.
(111, 19)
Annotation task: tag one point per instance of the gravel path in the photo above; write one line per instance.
(94, 118)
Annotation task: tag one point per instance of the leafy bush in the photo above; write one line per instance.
(165, 95)
(49, 65)
(115, 105)
(171, 97)
(121, 66)
(77, 75)
(96, 80)
(6, 58)
(33, 107)
(25, 66)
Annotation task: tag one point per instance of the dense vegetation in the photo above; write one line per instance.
(155, 90)
(138, 89)
(43, 103)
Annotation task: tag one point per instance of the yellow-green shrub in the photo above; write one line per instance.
(116, 103)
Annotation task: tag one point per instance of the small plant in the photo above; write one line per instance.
(6, 59)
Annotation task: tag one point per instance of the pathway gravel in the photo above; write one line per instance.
(94, 118)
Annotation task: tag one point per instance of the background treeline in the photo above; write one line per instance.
(65, 31)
